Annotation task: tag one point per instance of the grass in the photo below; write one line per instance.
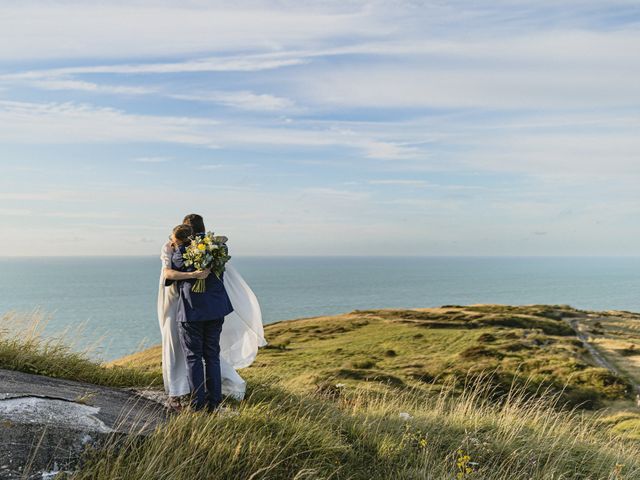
(23, 348)
(623, 423)
(277, 434)
(379, 394)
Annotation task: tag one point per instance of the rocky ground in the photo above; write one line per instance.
(47, 422)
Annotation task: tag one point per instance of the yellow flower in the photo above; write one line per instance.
(201, 247)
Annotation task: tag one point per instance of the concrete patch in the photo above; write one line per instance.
(53, 412)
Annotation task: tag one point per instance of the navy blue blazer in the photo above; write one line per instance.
(211, 304)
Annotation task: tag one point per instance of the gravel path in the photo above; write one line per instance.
(598, 357)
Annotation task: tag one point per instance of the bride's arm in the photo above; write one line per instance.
(171, 274)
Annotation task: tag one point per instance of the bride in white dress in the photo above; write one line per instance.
(242, 331)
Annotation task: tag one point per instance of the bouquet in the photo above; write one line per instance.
(206, 251)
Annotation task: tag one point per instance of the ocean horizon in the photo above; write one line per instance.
(113, 298)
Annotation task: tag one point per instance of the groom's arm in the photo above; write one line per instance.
(177, 262)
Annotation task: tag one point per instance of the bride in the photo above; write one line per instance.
(242, 331)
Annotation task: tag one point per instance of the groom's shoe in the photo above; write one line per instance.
(197, 407)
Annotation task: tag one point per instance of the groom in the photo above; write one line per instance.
(200, 317)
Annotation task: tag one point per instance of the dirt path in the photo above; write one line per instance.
(598, 357)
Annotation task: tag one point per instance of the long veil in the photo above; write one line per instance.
(242, 332)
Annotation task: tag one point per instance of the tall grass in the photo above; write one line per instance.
(24, 348)
(277, 434)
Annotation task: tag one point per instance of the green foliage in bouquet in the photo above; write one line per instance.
(206, 251)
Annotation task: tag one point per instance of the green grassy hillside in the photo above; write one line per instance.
(396, 349)
(477, 392)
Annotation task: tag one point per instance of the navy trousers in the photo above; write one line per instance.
(201, 343)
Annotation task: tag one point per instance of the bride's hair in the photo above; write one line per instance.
(183, 232)
(195, 221)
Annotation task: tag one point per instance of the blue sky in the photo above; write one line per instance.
(322, 128)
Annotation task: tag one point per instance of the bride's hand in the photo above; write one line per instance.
(201, 274)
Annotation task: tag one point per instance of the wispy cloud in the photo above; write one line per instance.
(330, 193)
(24, 122)
(506, 86)
(233, 63)
(41, 196)
(244, 100)
(32, 30)
(240, 99)
(84, 215)
(152, 159)
(14, 212)
(402, 182)
(54, 83)
(77, 123)
(210, 166)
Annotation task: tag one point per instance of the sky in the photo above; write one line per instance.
(397, 127)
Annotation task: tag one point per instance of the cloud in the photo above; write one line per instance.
(434, 85)
(43, 196)
(26, 196)
(529, 69)
(329, 193)
(414, 183)
(244, 100)
(84, 215)
(14, 212)
(152, 159)
(210, 166)
(80, 30)
(53, 83)
(607, 147)
(507, 58)
(26, 122)
(240, 99)
(241, 63)
(388, 150)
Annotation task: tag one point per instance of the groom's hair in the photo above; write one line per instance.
(196, 222)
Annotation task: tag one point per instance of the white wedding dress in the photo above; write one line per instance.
(242, 333)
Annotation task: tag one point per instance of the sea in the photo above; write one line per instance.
(107, 305)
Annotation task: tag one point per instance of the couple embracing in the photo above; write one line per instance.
(206, 335)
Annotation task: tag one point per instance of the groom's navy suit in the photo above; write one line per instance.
(200, 317)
